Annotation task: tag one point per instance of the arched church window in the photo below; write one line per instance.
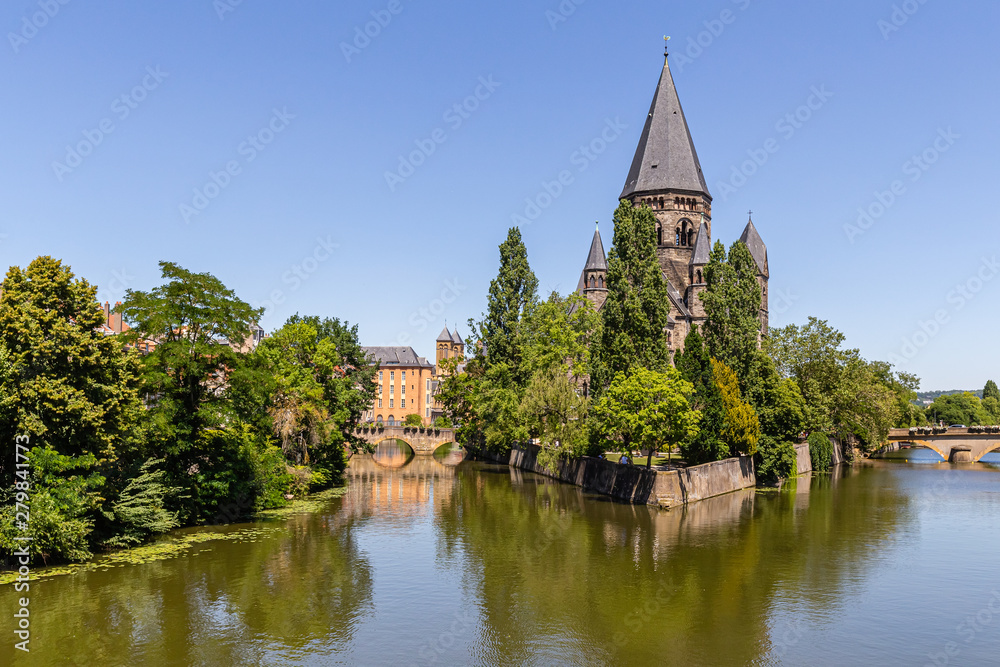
(600, 282)
(699, 276)
(659, 236)
(593, 282)
(677, 237)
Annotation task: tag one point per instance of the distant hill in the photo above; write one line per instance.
(927, 397)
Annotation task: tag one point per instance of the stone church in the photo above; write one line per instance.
(666, 175)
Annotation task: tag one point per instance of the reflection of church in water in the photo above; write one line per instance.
(666, 176)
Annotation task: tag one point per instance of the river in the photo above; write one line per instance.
(435, 560)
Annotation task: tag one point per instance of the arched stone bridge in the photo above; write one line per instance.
(421, 440)
(957, 445)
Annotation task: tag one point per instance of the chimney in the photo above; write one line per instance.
(117, 320)
(107, 314)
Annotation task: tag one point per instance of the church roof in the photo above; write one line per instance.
(751, 239)
(665, 158)
(702, 247)
(444, 336)
(455, 338)
(596, 260)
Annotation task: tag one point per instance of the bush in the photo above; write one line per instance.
(820, 451)
(442, 422)
(775, 461)
(139, 512)
(413, 420)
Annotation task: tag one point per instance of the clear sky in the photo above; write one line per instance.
(253, 139)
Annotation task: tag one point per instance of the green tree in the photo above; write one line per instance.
(695, 366)
(645, 409)
(781, 408)
(775, 460)
(963, 408)
(63, 382)
(742, 429)
(512, 293)
(556, 414)
(140, 511)
(732, 300)
(195, 322)
(413, 420)
(991, 390)
(820, 451)
(442, 422)
(635, 315)
(557, 334)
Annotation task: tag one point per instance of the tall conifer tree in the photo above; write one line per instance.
(732, 301)
(512, 292)
(636, 312)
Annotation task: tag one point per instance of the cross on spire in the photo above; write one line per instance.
(666, 43)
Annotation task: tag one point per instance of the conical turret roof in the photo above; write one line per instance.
(444, 336)
(455, 338)
(596, 259)
(751, 239)
(665, 158)
(702, 246)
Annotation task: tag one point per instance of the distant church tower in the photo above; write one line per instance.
(666, 175)
(595, 273)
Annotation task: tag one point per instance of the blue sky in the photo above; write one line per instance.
(252, 140)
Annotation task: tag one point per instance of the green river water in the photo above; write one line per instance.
(435, 560)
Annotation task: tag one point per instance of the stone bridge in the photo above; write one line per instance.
(422, 440)
(956, 445)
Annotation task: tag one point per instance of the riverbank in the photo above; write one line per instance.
(643, 486)
(181, 541)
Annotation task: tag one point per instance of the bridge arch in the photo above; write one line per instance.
(994, 447)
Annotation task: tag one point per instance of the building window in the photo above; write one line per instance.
(390, 405)
(600, 281)
(380, 377)
(427, 412)
(659, 236)
(403, 377)
(392, 376)
(402, 403)
(380, 404)
(392, 389)
(380, 389)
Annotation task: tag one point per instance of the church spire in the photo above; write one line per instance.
(665, 158)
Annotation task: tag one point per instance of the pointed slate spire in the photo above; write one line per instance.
(455, 338)
(596, 259)
(702, 246)
(665, 158)
(751, 239)
(444, 336)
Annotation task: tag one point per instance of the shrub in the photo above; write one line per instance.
(775, 461)
(820, 451)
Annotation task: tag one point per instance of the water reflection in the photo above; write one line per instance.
(436, 560)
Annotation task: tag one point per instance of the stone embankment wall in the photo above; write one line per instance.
(666, 488)
(639, 485)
